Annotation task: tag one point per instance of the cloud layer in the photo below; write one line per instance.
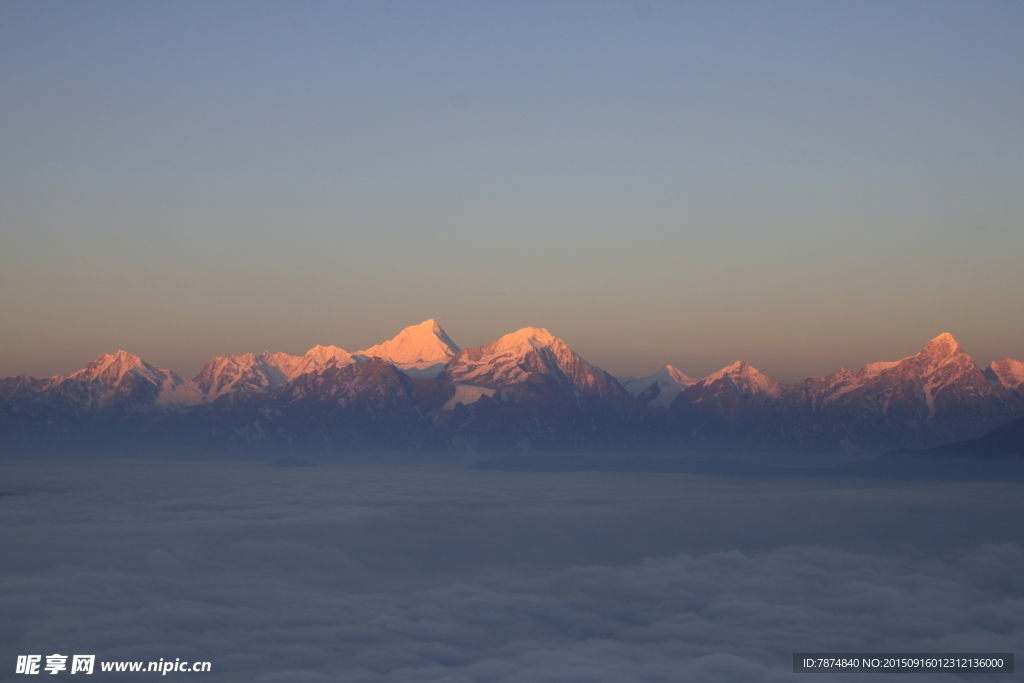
(404, 573)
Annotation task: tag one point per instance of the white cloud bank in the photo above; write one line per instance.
(390, 573)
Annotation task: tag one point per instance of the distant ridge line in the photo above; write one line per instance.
(527, 391)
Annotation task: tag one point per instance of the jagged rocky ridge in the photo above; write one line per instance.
(525, 392)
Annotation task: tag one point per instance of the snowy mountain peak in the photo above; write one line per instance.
(677, 375)
(1009, 373)
(225, 373)
(245, 373)
(123, 375)
(321, 351)
(658, 389)
(423, 343)
(325, 354)
(746, 379)
(248, 373)
(528, 337)
(1009, 369)
(318, 358)
(943, 346)
(108, 368)
(738, 368)
(121, 359)
(531, 352)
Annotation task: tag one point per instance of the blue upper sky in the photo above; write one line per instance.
(802, 185)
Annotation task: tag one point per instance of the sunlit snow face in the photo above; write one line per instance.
(434, 573)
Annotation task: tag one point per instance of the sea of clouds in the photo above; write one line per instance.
(360, 572)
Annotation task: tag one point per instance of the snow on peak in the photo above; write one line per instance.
(939, 349)
(529, 337)
(109, 368)
(736, 368)
(514, 357)
(119, 359)
(226, 374)
(658, 389)
(423, 343)
(944, 345)
(676, 375)
(267, 371)
(316, 359)
(746, 378)
(1009, 372)
(877, 368)
(325, 353)
(322, 355)
(126, 372)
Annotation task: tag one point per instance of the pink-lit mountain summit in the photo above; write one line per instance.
(525, 391)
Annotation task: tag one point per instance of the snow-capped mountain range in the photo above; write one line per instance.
(526, 390)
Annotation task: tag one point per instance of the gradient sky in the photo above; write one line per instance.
(803, 185)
